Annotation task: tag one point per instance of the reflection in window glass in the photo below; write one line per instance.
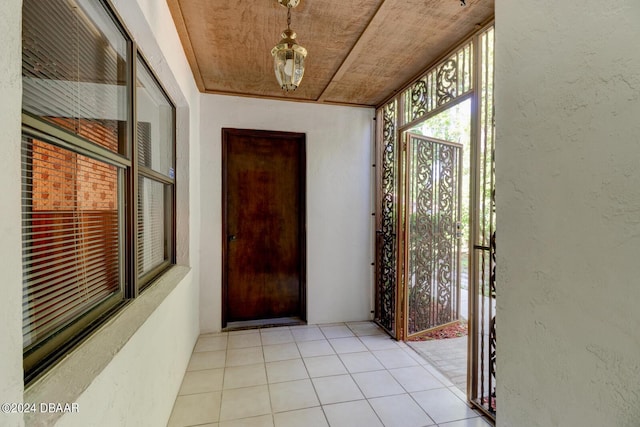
(155, 124)
(74, 72)
(70, 232)
(77, 241)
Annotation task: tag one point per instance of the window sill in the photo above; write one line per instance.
(72, 375)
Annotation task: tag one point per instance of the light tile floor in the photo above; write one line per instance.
(448, 356)
(350, 375)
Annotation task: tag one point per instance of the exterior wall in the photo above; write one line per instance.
(139, 386)
(568, 211)
(11, 385)
(140, 383)
(339, 233)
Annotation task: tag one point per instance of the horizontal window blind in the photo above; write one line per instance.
(155, 124)
(74, 69)
(152, 241)
(155, 142)
(144, 144)
(84, 246)
(70, 234)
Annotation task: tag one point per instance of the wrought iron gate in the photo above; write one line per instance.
(386, 219)
(482, 326)
(407, 301)
(432, 221)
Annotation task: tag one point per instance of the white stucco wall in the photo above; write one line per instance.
(339, 233)
(10, 262)
(139, 386)
(140, 383)
(568, 211)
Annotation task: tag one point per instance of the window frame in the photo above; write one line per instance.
(45, 353)
(147, 278)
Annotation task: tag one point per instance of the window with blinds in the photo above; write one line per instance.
(155, 124)
(155, 171)
(97, 188)
(151, 225)
(71, 236)
(74, 71)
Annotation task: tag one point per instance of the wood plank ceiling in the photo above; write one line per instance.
(360, 51)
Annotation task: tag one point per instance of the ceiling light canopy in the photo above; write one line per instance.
(288, 55)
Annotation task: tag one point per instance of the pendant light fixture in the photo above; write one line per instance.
(288, 55)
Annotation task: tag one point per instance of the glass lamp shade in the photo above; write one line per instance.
(289, 3)
(288, 61)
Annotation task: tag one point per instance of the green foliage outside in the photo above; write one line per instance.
(454, 125)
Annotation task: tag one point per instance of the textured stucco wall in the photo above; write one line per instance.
(10, 263)
(568, 211)
(138, 387)
(339, 233)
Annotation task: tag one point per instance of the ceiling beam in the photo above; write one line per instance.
(183, 32)
(284, 98)
(350, 57)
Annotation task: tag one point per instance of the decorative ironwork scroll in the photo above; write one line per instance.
(448, 256)
(433, 210)
(421, 237)
(492, 293)
(419, 98)
(445, 82)
(492, 323)
(483, 294)
(386, 234)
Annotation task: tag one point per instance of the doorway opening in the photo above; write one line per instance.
(435, 216)
(445, 343)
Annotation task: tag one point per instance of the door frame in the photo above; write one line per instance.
(404, 236)
(302, 214)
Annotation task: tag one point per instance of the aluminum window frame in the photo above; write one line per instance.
(45, 353)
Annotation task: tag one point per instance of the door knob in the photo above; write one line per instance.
(232, 237)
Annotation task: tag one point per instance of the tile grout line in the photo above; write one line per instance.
(311, 380)
(359, 339)
(266, 376)
(350, 376)
(358, 386)
(401, 386)
(224, 372)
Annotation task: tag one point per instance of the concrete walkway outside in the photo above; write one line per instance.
(449, 356)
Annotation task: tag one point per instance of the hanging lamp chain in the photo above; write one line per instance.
(288, 18)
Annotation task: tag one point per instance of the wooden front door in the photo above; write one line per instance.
(263, 190)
